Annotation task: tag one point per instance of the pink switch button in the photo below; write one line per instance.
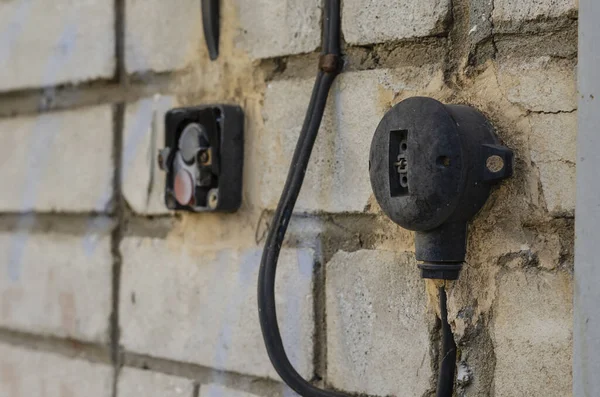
(184, 185)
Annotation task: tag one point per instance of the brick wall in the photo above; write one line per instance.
(106, 293)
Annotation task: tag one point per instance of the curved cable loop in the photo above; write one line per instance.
(329, 69)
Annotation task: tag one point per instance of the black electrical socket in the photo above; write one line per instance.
(203, 158)
(432, 167)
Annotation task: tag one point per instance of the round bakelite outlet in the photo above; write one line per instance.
(184, 185)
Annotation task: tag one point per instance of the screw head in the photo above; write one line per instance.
(494, 163)
(213, 199)
(204, 157)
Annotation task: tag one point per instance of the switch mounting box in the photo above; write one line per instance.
(203, 158)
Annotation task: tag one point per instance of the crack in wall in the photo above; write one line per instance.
(556, 112)
(493, 29)
(116, 236)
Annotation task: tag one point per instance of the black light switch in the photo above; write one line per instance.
(203, 158)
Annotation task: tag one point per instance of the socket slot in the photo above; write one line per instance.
(398, 158)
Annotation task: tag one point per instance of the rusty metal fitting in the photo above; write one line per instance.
(204, 157)
(330, 63)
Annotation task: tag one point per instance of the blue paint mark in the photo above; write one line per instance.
(141, 125)
(143, 118)
(287, 392)
(96, 227)
(12, 31)
(295, 300)
(222, 264)
(17, 248)
(136, 60)
(133, 139)
(44, 133)
(244, 281)
(305, 263)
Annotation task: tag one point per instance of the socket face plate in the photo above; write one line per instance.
(203, 158)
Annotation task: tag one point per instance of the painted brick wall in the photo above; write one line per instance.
(104, 292)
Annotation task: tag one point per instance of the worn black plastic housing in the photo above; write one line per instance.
(205, 143)
(432, 167)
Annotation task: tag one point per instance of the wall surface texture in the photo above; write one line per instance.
(105, 293)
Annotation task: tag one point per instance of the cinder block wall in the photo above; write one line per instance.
(105, 293)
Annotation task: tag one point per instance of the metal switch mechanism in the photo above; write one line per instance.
(203, 158)
(432, 167)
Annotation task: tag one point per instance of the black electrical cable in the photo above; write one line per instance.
(332, 21)
(329, 65)
(445, 384)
